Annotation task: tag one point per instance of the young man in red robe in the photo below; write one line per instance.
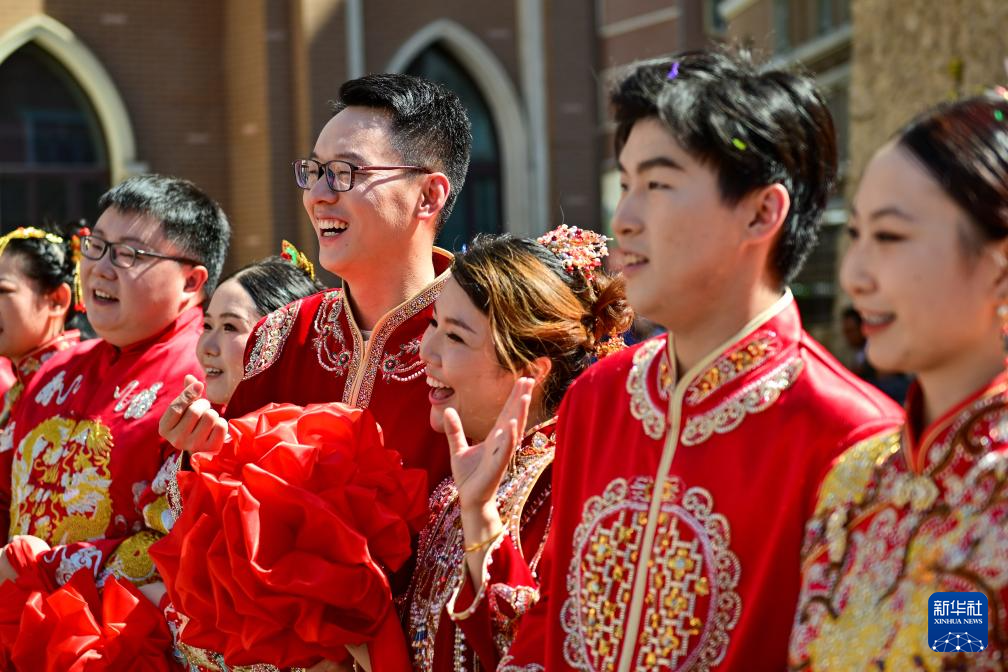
(382, 178)
(687, 466)
(89, 469)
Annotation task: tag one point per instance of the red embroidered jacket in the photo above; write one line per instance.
(452, 627)
(680, 506)
(90, 471)
(24, 372)
(899, 517)
(312, 351)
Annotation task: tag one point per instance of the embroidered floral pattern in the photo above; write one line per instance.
(753, 352)
(270, 338)
(642, 405)
(507, 666)
(885, 537)
(404, 365)
(329, 342)
(754, 398)
(381, 336)
(691, 604)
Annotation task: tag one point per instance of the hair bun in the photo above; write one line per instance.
(609, 315)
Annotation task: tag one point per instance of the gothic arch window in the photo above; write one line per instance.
(53, 157)
(479, 205)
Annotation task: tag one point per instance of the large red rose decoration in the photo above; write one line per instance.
(286, 537)
(77, 628)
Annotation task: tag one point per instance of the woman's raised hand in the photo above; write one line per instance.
(479, 468)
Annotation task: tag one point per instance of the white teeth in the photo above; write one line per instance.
(102, 295)
(629, 258)
(213, 372)
(332, 226)
(434, 382)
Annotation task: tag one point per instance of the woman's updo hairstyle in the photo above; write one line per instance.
(274, 282)
(963, 145)
(538, 306)
(46, 258)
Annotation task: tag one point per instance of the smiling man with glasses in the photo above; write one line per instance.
(96, 499)
(382, 178)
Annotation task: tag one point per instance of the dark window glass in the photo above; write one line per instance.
(53, 163)
(478, 208)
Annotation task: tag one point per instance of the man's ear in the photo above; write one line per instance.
(770, 206)
(195, 281)
(434, 196)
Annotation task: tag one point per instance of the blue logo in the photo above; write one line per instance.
(957, 622)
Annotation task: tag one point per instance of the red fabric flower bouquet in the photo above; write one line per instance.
(79, 628)
(287, 535)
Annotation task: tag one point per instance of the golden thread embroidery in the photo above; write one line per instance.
(440, 567)
(694, 576)
(884, 538)
(729, 366)
(329, 342)
(130, 560)
(60, 481)
(754, 398)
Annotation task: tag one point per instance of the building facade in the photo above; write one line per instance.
(227, 92)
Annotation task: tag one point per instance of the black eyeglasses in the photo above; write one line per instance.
(339, 174)
(122, 255)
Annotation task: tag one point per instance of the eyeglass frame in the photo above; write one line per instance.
(113, 256)
(323, 168)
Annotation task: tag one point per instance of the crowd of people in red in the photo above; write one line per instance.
(455, 462)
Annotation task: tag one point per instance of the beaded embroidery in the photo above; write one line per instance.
(749, 355)
(440, 560)
(329, 342)
(642, 406)
(270, 338)
(754, 398)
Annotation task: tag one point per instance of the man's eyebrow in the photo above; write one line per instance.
(654, 162)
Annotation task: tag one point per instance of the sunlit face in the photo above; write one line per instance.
(373, 221)
(25, 317)
(129, 305)
(227, 323)
(925, 300)
(677, 240)
(462, 366)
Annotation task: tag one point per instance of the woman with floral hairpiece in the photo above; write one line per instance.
(39, 314)
(922, 509)
(239, 302)
(516, 323)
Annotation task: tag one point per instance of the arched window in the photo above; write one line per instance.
(53, 160)
(478, 208)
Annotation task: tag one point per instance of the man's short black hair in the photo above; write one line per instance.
(430, 126)
(754, 126)
(189, 218)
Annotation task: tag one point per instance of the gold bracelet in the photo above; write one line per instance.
(472, 548)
